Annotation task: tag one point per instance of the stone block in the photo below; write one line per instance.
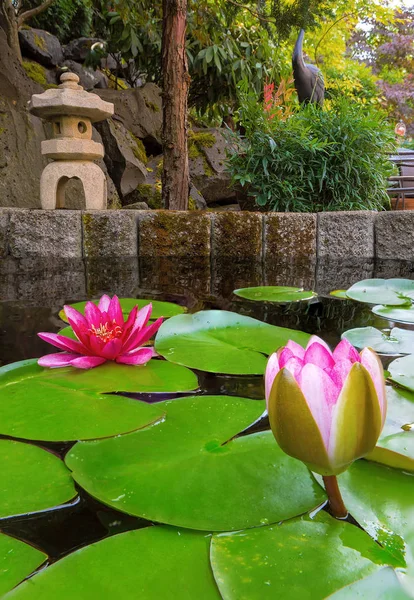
(174, 233)
(296, 273)
(110, 234)
(112, 275)
(51, 281)
(388, 269)
(341, 274)
(394, 235)
(346, 234)
(289, 236)
(45, 233)
(4, 224)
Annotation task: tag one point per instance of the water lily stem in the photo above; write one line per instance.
(336, 504)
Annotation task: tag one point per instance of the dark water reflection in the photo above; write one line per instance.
(32, 292)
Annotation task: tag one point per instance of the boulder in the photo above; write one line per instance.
(79, 49)
(207, 154)
(42, 46)
(124, 157)
(137, 206)
(20, 134)
(140, 111)
(88, 78)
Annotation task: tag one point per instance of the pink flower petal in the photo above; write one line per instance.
(104, 303)
(340, 372)
(321, 395)
(141, 320)
(77, 321)
(87, 362)
(346, 351)
(111, 349)
(284, 354)
(373, 365)
(272, 369)
(318, 355)
(295, 366)
(63, 342)
(296, 348)
(317, 340)
(138, 358)
(93, 315)
(115, 312)
(130, 322)
(61, 359)
(138, 350)
(140, 337)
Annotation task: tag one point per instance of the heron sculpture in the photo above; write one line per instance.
(309, 81)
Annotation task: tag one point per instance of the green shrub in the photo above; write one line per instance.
(67, 19)
(315, 160)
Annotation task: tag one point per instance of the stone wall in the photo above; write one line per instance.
(209, 253)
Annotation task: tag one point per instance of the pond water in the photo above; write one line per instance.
(84, 520)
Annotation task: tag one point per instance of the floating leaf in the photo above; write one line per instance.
(339, 294)
(159, 309)
(32, 479)
(182, 472)
(17, 561)
(155, 563)
(396, 341)
(393, 292)
(222, 342)
(382, 585)
(275, 293)
(73, 404)
(402, 371)
(300, 559)
(394, 313)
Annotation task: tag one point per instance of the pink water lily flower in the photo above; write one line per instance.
(326, 408)
(102, 334)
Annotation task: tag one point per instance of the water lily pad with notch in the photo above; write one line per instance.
(181, 471)
(402, 371)
(394, 292)
(394, 342)
(155, 563)
(32, 479)
(71, 404)
(17, 561)
(301, 559)
(159, 309)
(399, 314)
(339, 294)
(278, 294)
(220, 341)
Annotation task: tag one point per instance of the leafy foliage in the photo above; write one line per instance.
(67, 19)
(334, 159)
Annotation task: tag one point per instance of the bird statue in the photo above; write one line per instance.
(309, 82)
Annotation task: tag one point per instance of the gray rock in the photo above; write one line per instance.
(346, 234)
(124, 168)
(140, 111)
(42, 46)
(79, 48)
(109, 234)
(45, 233)
(394, 235)
(4, 224)
(208, 170)
(88, 78)
(137, 206)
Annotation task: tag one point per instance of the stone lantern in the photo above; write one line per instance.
(71, 110)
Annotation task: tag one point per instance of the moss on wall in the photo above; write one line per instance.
(138, 149)
(40, 42)
(36, 72)
(196, 142)
(151, 194)
(154, 107)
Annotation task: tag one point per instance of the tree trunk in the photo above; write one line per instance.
(176, 83)
(8, 22)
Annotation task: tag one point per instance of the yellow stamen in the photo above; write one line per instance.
(107, 332)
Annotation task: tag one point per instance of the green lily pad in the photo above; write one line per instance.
(402, 371)
(302, 559)
(394, 292)
(339, 294)
(396, 341)
(380, 498)
(71, 404)
(159, 309)
(279, 294)
(394, 313)
(222, 342)
(155, 563)
(181, 471)
(32, 479)
(382, 585)
(17, 561)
